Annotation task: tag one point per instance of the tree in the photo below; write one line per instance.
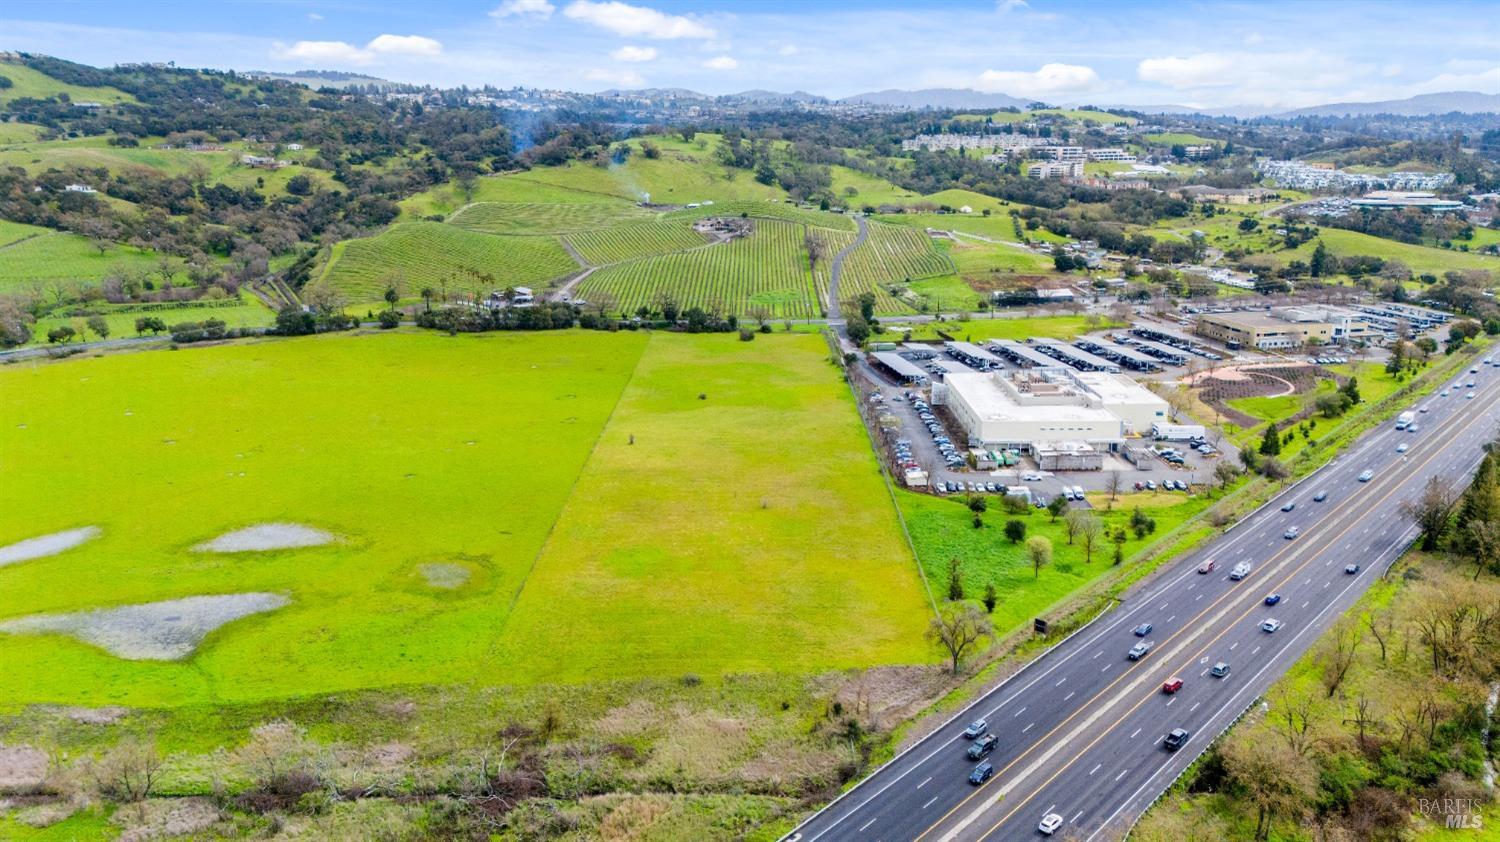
(955, 579)
(1274, 780)
(427, 293)
(858, 330)
(866, 303)
(990, 598)
(1321, 263)
(1432, 510)
(62, 334)
(957, 629)
(1056, 506)
(149, 323)
(99, 326)
(1073, 523)
(1274, 469)
(1112, 484)
(1089, 529)
(128, 771)
(1397, 360)
(392, 296)
(1225, 473)
(1039, 550)
(1015, 530)
(1119, 539)
(1339, 647)
(1141, 523)
(1270, 443)
(1350, 390)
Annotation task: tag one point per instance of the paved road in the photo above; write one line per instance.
(836, 269)
(1080, 728)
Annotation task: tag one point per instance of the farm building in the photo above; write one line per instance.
(898, 367)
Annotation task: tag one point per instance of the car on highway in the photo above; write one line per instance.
(1206, 567)
(975, 729)
(1270, 626)
(1365, 477)
(1171, 685)
(1423, 408)
(1049, 824)
(1320, 496)
(1142, 630)
(1469, 396)
(1288, 507)
(1219, 670)
(1291, 533)
(981, 773)
(1352, 567)
(1139, 650)
(1401, 448)
(1273, 598)
(1176, 739)
(1474, 370)
(1472, 384)
(1412, 428)
(1240, 571)
(1443, 394)
(982, 746)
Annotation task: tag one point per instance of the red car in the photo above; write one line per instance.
(1206, 567)
(1172, 685)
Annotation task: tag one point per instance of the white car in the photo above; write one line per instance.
(1270, 625)
(1401, 448)
(1049, 824)
(1443, 394)
(1470, 396)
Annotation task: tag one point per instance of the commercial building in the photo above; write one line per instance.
(1260, 330)
(1111, 155)
(1062, 169)
(1405, 199)
(1070, 154)
(1055, 410)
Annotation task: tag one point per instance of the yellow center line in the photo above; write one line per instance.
(1228, 595)
(1188, 662)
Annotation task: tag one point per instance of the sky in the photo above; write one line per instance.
(1264, 54)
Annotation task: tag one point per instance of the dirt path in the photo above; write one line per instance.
(837, 268)
(565, 292)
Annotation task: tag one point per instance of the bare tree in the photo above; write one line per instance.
(1090, 528)
(957, 629)
(1112, 484)
(1292, 717)
(1275, 781)
(127, 772)
(1381, 625)
(1339, 648)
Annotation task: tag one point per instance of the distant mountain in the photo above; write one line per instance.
(337, 79)
(775, 97)
(936, 98)
(656, 93)
(1468, 102)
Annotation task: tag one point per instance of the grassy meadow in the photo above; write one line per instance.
(26, 82)
(717, 542)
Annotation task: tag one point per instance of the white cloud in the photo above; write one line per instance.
(1254, 38)
(342, 52)
(629, 53)
(789, 50)
(636, 21)
(523, 8)
(1047, 81)
(314, 16)
(1003, 6)
(622, 78)
(405, 45)
(721, 63)
(1293, 79)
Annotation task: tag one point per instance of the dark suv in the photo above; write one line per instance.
(1175, 740)
(982, 746)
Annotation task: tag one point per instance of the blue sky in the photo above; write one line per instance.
(1260, 54)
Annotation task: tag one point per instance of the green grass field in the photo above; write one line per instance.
(767, 269)
(414, 255)
(786, 211)
(942, 529)
(1421, 259)
(247, 312)
(744, 531)
(29, 83)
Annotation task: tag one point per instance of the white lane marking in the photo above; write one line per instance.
(1304, 605)
(1201, 674)
(1137, 731)
(1255, 651)
(1171, 701)
(1096, 768)
(1060, 681)
(929, 802)
(1027, 728)
(1018, 713)
(1171, 618)
(1326, 584)
(1117, 780)
(924, 783)
(1194, 707)
(1075, 818)
(1104, 668)
(1097, 654)
(1070, 695)
(1164, 605)
(1198, 597)
(866, 824)
(1232, 645)
(1190, 587)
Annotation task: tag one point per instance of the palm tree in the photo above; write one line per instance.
(427, 294)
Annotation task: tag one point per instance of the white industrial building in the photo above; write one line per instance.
(1053, 410)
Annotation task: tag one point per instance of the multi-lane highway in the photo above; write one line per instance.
(1081, 728)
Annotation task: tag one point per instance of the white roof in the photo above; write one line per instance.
(992, 403)
(1117, 388)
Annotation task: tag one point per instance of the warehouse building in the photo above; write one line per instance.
(1055, 410)
(1284, 329)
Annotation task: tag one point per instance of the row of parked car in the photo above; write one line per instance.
(1167, 484)
(951, 454)
(1328, 360)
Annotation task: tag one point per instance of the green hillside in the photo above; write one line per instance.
(29, 83)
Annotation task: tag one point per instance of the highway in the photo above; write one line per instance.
(1080, 728)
